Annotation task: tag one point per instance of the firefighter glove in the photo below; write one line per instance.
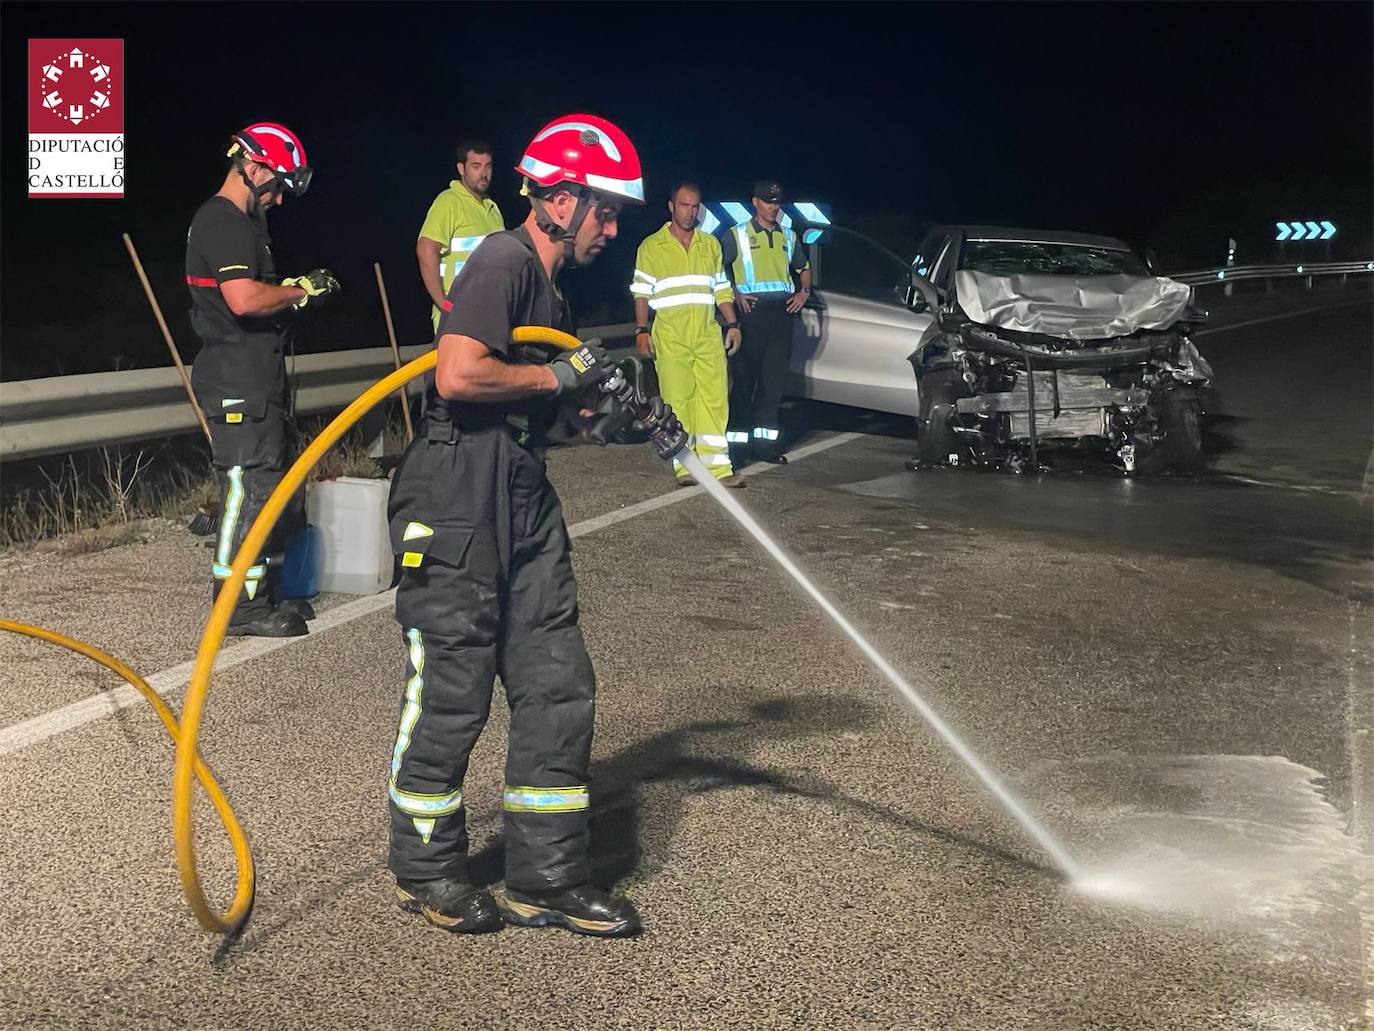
(318, 284)
(576, 370)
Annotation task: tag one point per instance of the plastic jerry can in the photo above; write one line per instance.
(355, 547)
(300, 570)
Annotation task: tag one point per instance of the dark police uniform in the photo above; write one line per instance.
(239, 378)
(758, 370)
(487, 588)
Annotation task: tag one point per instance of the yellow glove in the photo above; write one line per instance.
(318, 284)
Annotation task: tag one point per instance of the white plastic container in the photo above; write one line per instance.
(355, 548)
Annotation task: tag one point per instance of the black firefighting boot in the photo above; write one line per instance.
(272, 623)
(584, 909)
(299, 606)
(451, 903)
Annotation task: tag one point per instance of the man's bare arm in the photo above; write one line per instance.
(643, 342)
(427, 256)
(468, 371)
(250, 297)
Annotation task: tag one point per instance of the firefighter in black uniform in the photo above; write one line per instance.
(239, 311)
(487, 582)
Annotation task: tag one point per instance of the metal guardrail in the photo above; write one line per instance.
(67, 413)
(1213, 276)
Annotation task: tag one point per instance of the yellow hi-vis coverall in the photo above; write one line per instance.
(457, 221)
(683, 287)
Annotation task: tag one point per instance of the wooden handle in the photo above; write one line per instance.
(167, 335)
(395, 351)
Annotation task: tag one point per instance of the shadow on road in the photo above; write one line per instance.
(639, 795)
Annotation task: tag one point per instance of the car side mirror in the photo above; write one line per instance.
(913, 299)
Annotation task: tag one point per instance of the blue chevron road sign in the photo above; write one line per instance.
(1304, 230)
(718, 215)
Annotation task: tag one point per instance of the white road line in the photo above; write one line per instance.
(1301, 488)
(1275, 318)
(682, 493)
(169, 681)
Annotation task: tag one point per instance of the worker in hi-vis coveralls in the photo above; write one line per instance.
(679, 281)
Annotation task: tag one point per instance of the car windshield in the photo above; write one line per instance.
(1014, 257)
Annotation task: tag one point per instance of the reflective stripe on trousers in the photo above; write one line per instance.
(422, 808)
(222, 568)
(545, 800)
(692, 378)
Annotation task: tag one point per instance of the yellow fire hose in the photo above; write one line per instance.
(188, 762)
(243, 856)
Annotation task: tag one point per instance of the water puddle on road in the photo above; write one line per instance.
(1237, 838)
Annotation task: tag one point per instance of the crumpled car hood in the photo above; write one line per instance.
(1071, 307)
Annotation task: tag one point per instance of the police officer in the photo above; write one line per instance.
(487, 583)
(240, 311)
(763, 258)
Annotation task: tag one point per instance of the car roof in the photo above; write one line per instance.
(1004, 233)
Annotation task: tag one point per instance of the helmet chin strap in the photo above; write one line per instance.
(256, 191)
(558, 234)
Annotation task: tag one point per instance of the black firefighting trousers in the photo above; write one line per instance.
(487, 589)
(250, 452)
(758, 374)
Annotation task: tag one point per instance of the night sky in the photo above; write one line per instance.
(1171, 125)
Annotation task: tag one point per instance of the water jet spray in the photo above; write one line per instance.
(1052, 847)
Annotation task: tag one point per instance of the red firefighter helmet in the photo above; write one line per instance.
(278, 148)
(588, 151)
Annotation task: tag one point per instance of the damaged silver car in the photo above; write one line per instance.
(1047, 343)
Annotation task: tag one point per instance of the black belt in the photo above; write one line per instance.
(442, 430)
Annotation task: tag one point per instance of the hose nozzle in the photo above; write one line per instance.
(631, 415)
(667, 436)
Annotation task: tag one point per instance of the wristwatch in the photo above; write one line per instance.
(732, 325)
(641, 329)
(806, 290)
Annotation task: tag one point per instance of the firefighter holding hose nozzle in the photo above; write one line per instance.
(487, 583)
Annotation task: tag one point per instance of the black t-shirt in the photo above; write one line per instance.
(503, 285)
(241, 356)
(224, 244)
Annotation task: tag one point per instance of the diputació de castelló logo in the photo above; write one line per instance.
(76, 118)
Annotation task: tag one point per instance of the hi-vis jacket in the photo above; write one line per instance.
(682, 285)
(762, 260)
(457, 221)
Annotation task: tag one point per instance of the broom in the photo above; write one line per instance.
(206, 519)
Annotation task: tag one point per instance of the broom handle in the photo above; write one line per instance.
(167, 335)
(395, 351)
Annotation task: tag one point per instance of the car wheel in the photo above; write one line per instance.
(935, 438)
(1181, 420)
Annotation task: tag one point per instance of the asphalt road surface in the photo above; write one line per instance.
(1175, 675)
